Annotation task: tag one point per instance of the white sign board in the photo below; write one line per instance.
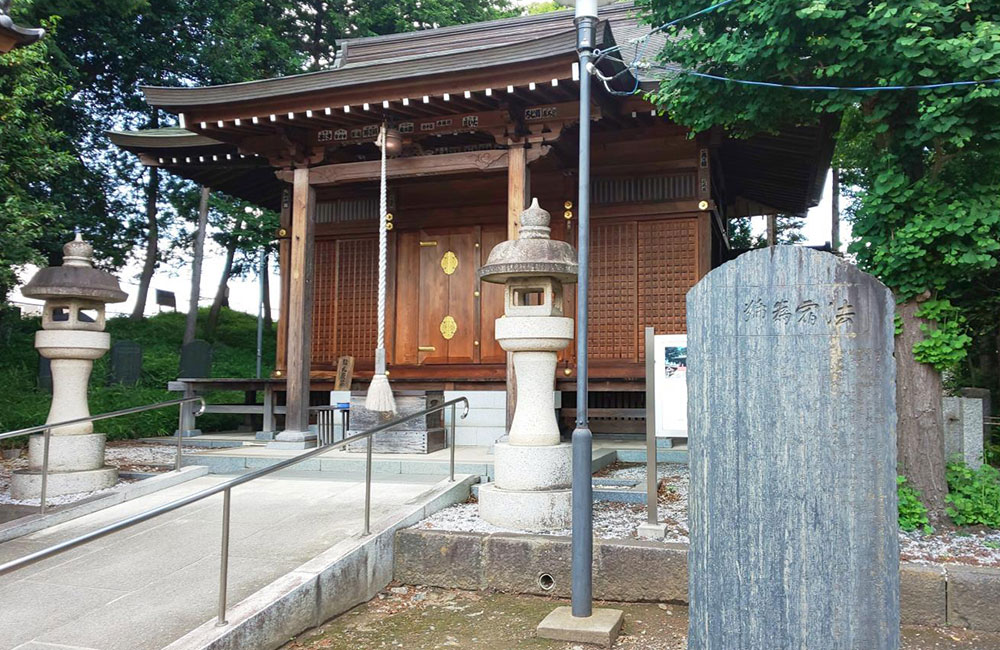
(670, 385)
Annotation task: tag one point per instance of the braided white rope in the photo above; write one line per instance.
(382, 253)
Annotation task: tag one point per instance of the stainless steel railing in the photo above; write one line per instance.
(226, 486)
(46, 430)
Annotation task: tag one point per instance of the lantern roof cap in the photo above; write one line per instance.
(76, 278)
(534, 254)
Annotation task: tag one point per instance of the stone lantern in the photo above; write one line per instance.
(72, 337)
(531, 490)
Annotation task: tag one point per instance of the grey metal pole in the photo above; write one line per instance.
(368, 486)
(451, 444)
(45, 471)
(583, 537)
(651, 484)
(224, 565)
(180, 430)
(260, 311)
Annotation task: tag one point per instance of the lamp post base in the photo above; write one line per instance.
(600, 628)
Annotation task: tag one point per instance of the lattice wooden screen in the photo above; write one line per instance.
(667, 270)
(345, 283)
(640, 274)
(612, 314)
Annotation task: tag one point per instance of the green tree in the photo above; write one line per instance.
(32, 155)
(788, 231)
(927, 162)
(108, 49)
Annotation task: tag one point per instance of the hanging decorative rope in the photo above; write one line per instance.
(379, 396)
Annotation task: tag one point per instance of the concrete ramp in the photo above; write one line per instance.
(155, 585)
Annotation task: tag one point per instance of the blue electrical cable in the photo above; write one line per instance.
(859, 89)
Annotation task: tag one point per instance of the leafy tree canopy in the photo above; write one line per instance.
(926, 216)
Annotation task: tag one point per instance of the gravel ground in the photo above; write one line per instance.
(425, 618)
(621, 521)
(127, 456)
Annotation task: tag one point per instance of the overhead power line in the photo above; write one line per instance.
(636, 65)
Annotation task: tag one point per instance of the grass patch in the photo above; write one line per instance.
(234, 349)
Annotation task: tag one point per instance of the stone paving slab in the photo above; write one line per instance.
(144, 587)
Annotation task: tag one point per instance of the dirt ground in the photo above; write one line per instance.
(426, 618)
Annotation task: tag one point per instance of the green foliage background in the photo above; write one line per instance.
(234, 355)
(926, 163)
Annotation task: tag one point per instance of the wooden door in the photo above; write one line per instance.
(448, 312)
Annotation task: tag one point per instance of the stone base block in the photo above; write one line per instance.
(67, 453)
(528, 510)
(401, 441)
(292, 444)
(600, 628)
(652, 531)
(27, 484)
(293, 440)
(188, 433)
(533, 468)
(265, 435)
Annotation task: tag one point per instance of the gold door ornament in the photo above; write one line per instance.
(448, 327)
(449, 262)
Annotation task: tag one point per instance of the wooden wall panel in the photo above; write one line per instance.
(407, 297)
(324, 302)
(612, 319)
(356, 307)
(668, 268)
(491, 300)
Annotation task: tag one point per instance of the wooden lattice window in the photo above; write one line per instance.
(667, 270)
(345, 283)
(612, 313)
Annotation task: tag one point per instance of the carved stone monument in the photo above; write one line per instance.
(791, 408)
(72, 337)
(196, 360)
(126, 363)
(533, 470)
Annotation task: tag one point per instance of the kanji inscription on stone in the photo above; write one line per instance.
(791, 412)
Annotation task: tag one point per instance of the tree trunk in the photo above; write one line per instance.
(199, 254)
(152, 233)
(920, 430)
(220, 294)
(266, 280)
(835, 216)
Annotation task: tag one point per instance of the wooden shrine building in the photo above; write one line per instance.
(488, 116)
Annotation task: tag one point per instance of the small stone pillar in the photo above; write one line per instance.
(531, 490)
(72, 337)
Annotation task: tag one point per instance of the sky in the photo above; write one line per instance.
(244, 292)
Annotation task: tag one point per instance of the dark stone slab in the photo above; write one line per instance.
(196, 359)
(973, 597)
(44, 374)
(125, 363)
(418, 436)
(922, 595)
(438, 558)
(791, 408)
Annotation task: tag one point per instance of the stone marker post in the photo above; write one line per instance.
(791, 405)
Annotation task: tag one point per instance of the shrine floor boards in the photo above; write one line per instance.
(148, 585)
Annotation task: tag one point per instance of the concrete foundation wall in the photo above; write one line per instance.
(637, 571)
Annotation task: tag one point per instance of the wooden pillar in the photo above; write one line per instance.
(296, 433)
(772, 230)
(518, 192)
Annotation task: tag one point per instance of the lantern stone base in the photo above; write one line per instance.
(527, 510)
(73, 453)
(27, 484)
(533, 468)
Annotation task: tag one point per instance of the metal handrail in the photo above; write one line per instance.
(226, 486)
(46, 430)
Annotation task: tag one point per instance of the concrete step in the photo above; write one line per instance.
(476, 461)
